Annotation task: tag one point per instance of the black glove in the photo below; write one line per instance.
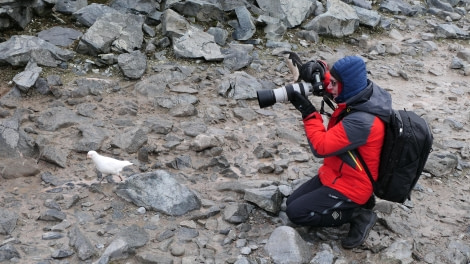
(310, 69)
(302, 104)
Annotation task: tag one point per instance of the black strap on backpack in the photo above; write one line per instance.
(364, 165)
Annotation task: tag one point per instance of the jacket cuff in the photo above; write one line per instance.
(311, 116)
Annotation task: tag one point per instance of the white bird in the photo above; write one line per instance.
(107, 165)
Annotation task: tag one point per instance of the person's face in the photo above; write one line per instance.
(333, 87)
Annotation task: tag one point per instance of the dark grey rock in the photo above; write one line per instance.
(441, 5)
(244, 27)
(62, 253)
(165, 235)
(173, 24)
(92, 138)
(128, 108)
(183, 110)
(144, 7)
(185, 234)
(52, 152)
(244, 114)
(451, 31)
(181, 162)
(237, 213)
(134, 236)
(8, 252)
(441, 164)
(14, 141)
(273, 27)
(220, 35)
(268, 198)
(397, 7)
(238, 56)
(58, 117)
(154, 257)
(112, 32)
(370, 18)
(27, 78)
(338, 21)
(194, 128)
(361, 3)
(159, 125)
(291, 15)
(42, 86)
(155, 85)
(8, 220)
(201, 10)
(400, 250)
(239, 85)
(52, 235)
(202, 142)
(60, 36)
(154, 18)
(88, 15)
(54, 80)
(51, 179)
(286, 246)
(18, 167)
(94, 86)
(159, 191)
(196, 44)
(69, 6)
(326, 255)
(80, 243)
(52, 215)
(171, 102)
(86, 109)
(464, 54)
(212, 211)
(130, 140)
(133, 65)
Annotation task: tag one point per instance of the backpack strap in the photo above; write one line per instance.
(347, 111)
(364, 165)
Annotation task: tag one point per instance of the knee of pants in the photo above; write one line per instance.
(300, 217)
(311, 218)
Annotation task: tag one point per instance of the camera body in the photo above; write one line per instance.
(269, 97)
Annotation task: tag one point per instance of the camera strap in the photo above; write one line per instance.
(326, 100)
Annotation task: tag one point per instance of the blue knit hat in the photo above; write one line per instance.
(351, 72)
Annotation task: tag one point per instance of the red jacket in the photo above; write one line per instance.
(361, 129)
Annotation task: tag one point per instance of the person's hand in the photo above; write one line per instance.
(310, 69)
(302, 104)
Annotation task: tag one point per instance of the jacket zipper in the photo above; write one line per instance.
(339, 176)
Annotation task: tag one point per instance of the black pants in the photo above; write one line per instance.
(313, 204)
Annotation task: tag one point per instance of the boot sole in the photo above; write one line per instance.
(371, 225)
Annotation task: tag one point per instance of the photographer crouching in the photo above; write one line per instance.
(341, 192)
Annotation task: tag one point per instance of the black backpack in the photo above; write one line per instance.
(407, 144)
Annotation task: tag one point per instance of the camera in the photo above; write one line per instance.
(269, 97)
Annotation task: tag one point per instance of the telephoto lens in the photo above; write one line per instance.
(269, 97)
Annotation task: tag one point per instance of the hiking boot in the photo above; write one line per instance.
(362, 222)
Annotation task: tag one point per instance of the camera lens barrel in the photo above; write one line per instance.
(303, 88)
(265, 98)
(269, 97)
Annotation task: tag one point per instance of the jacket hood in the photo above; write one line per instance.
(372, 99)
(351, 72)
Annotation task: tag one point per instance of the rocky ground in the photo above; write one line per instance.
(431, 228)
